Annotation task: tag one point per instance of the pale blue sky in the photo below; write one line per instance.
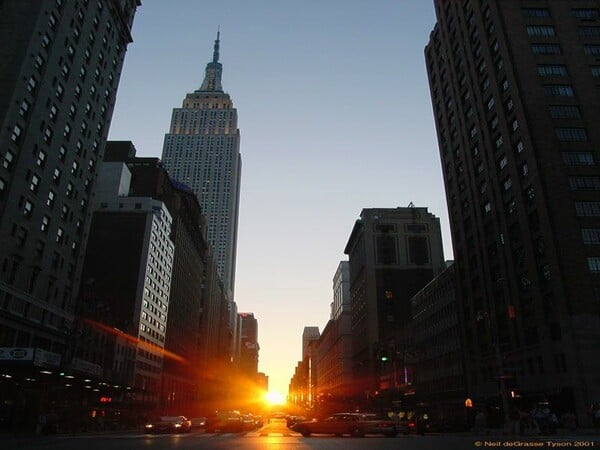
(334, 114)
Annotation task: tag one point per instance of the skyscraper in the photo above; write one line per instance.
(514, 87)
(201, 150)
(61, 66)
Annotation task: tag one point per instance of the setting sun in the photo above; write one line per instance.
(274, 398)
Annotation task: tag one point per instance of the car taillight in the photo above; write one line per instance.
(411, 424)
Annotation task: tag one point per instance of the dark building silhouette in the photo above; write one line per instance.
(61, 64)
(194, 341)
(393, 253)
(438, 351)
(514, 87)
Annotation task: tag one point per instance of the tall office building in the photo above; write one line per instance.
(201, 150)
(514, 87)
(61, 64)
(392, 254)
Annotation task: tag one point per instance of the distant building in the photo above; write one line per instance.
(514, 87)
(334, 350)
(309, 334)
(202, 151)
(393, 253)
(249, 349)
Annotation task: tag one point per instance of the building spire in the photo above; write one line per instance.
(216, 50)
(214, 70)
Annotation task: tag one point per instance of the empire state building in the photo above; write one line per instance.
(201, 151)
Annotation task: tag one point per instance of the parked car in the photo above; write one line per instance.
(291, 420)
(168, 424)
(354, 424)
(198, 422)
(249, 422)
(225, 421)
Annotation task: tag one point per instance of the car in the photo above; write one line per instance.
(249, 422)
(354, 424)
(291, 420)
(198, 422)
(225, 421)
(168, 424)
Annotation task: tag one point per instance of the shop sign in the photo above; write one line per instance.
(16, 353)
(86, 367)
(44, 358)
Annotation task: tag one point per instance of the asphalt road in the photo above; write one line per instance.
(275, 436)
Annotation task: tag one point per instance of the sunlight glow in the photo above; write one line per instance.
(274, 398)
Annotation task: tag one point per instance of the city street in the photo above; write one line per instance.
(275, 436)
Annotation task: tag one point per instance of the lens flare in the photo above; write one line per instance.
(274, 398)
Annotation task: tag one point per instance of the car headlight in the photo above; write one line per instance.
(177, 425)
(149, 425)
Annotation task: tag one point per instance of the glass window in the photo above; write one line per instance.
(584, 183)
(587, 209)
(590, 236)
(591, 50)
(545, 49)
(585, 13)
(594, 264)
(541, 30)
(557, 90)
(567, 134)
(565, 112)
(578, 158)
(535, 12)
(556, 70)
(589, 31)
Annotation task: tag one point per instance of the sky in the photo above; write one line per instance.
(335, 116)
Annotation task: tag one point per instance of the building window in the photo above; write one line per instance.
(587, 209)
(51, 199)
(28, 208)
(520, 146)
(585, 13)
(541, 30)
(45, 224)
(559, 91)
(565, 112)
(418, 250)
(24, 109)
(590, 236)
(502, 162)
(578, 158)
(16, 134)
(594, 264)
(56, 176)
(556, 70)
(535, 12)
(571, 134)
(545, 49)
(589, 31)
(585, 183)
(591, 50)
(386, 249)
(35, 183)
